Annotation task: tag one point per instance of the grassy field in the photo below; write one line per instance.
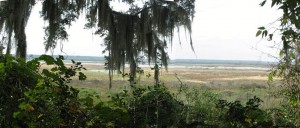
(228, 84)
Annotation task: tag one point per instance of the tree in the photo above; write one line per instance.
(141, 31)
(288, 30)
(14, 15)
(289, 65)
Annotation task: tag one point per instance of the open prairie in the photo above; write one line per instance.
(229, 81)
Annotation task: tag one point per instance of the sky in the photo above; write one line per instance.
(222, 30)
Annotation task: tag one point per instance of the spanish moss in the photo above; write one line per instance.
(139, 31)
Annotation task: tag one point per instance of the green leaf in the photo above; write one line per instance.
(49, 74)
(292, 55)
(263, 3)
(16, 114)
(258, 33)
(89, 123)
(46, 72)
(261, 28)
(281, 53)
(2, 68)
(48, 59)
(26, 94)
(23, 105)
(78, 63)
(54, 69)
(270, 77)
(59, 62)
(61, 57)
(265, 33)
(82, 76)
(274, 2)
(89, 101)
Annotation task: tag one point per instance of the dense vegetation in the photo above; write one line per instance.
(288, 68)
(36, 97)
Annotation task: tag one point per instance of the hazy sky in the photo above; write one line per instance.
(222, 29)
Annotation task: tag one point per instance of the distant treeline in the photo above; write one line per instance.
(175, 61)
(71, 57)
(208, 61)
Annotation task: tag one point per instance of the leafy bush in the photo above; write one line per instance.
(17, 77)
(156, 108)
(234, 114)
(38, 99)
(200, 109)
(104, 114)
(35, 97)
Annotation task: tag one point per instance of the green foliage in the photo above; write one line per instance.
(16, 78)
(156, 108)
(34, 97)
(104, 114)
(237, 115)
(52, 102)
(288, 66)
(31, 98)
(199, 109)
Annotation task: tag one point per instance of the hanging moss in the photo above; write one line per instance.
(59, 14)
(140, 31)
(158, 17)
(13, 20)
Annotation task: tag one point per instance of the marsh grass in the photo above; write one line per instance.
(231, 85)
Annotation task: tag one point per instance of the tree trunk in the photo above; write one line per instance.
(8, 48)
(132, 72)
(21, 42)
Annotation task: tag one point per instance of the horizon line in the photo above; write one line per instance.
(170, 59)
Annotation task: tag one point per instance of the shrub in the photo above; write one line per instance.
(157, 108)
(234, 114)
(17, 77)
(30, 98)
